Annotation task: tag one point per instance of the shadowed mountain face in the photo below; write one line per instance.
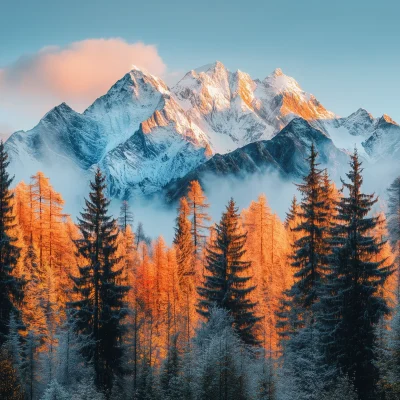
(285, 155)
(146, 136)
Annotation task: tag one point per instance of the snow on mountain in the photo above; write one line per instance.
(236, 110)
(136, 132)
(284, 154)
(145, 135)
(375, 138)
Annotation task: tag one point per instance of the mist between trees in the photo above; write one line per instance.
(243, 307)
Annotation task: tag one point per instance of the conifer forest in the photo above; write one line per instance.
(247, 307)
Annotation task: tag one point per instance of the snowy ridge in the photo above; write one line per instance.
(145, 135)
(375, 138)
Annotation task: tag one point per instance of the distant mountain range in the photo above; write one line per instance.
(150, 139)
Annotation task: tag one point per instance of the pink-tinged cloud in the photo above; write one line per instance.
(76, 74)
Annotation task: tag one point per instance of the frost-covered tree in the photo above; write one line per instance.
(388, 352)
(70, 364)
(171, 373)
(301, 373)
(14, 344)
(221, 364)
(10, 381)
(55, 391)
(86, 390)
(31, 366)
(226, 283)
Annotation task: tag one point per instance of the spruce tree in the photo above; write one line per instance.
(311, 248)
(352, 304)
(10, 381)
(100, 308)
(393, 216)
(11, 288)
(292, 213)
(125, 216)
(226, 285)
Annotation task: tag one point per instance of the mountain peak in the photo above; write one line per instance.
(278, 82)
(215, 66)
(277, 72)
(62, 108)
(388, 119)
(361, 113)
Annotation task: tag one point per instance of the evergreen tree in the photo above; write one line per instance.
(125, 216)
(222, 364)
(352, 304)
(311, 248)
(140, 236)
(100, 308)
(170, 377)
(11, 288)
(10, 382)
(30, 366)
(292, 213)
(393, 216)
(226, 285)
(55, 391)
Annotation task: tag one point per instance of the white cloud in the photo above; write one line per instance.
(76, 74)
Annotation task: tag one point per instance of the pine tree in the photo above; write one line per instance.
(10, 382)
(292, 213)
(11, 288)
(393, 215)
(125, 216)
(222, 364)
(140, 236)
(352, 304)
(30, 366)
(198, 205)
(100, 308)
(226, 284)
(170, 376)
(311, 248)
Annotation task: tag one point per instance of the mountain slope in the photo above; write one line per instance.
(235, 110)
(285, 155)
(376, 138)
(144, 135)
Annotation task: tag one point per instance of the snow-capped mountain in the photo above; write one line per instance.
(376, 138)
(145, 135)
(234, 110)
(284, 154)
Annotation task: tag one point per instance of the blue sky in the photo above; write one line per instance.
(347, 53)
